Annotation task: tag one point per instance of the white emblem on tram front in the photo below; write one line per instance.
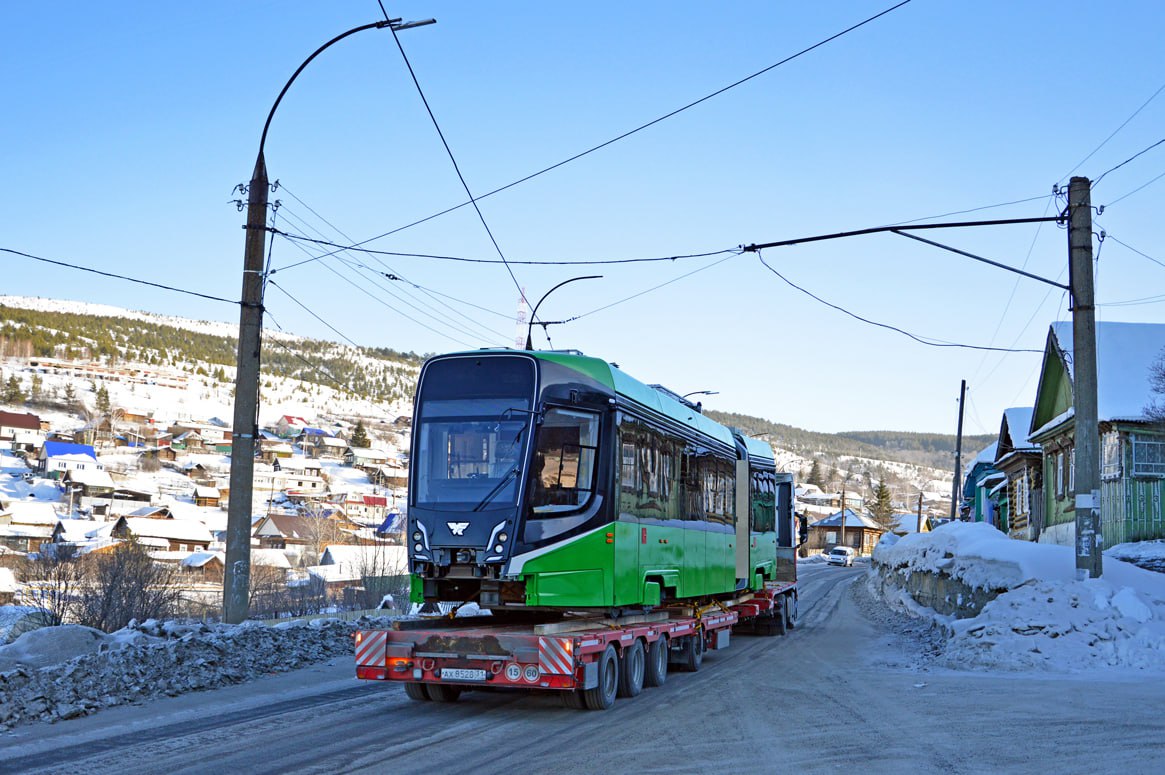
(457, 528)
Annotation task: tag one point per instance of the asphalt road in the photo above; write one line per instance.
(848, 690)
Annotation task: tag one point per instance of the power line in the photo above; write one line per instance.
(1139, 253)
(1096, 182)
(118, 276)
(975, 209)
(649, 124)
(314, 315)
(1135, 190)
(378, 300)
(1114, 133)
(356, 247)
(407, 297)
(456, 167)
(649, 290)
(920, 340)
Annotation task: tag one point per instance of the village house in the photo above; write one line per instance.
(56, 457)
(365, 458)
(203, 567)
(21, 432)
(289, 426)
(857, 531)
(176, 535)
(1021, 500)
(324, 447)
(1132, 449)
(367, 510)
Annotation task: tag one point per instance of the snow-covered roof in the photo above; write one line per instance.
(271, 558)
(202, 491)
(91, 477)
(986, 455)
(1016, 424)
(333, 573)
(170, 529)
(77, 531)
(200, 559)
(852, 519)
(1124, 354)
(374, 560)
(31, 512)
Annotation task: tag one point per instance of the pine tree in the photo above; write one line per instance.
(882, 508)
(359, 435)
(104, 407)
(815, 475)
(13, 392)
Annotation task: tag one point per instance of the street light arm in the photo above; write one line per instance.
(375, 25)
(533, 315)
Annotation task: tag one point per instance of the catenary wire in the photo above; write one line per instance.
(649, 124)
(382, 302)
(456, 166)
(406, 298)
(649, 290)
(920, 340)
(397, 275)
(118, 276)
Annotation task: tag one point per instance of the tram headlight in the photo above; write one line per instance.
(502, 537)
(418, 548)
(417, 535)
(499, 548)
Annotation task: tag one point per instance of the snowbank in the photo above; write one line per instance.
(64, 672)
(1041, 617)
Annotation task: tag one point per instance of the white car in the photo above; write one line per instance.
(841, 555)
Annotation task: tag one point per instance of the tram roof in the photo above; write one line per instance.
(758, 449)
(628, 387)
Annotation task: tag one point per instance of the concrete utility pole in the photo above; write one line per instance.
(237, 573)
(958, 455)
(842, 514)
(1089, 542)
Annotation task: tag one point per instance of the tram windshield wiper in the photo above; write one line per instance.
(489, 496)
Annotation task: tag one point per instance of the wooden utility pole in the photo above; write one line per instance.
(1087, 442)
(842, 514)
(958, 455)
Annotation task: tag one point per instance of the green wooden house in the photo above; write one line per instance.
(1132, 450)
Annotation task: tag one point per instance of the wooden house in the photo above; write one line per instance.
(1018, 459)
(1132, 449)
(856, 530)
(980, 478)
(176, 535)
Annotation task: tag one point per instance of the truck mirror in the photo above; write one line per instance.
(802, 529)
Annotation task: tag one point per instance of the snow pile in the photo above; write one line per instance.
(64, 672)
(1041, 617)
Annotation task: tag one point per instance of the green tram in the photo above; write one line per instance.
(554, 480)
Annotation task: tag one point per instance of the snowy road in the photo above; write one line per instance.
(849, 689)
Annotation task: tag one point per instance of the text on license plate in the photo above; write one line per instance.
(461, 674)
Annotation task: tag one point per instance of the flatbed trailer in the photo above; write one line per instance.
(587, 659)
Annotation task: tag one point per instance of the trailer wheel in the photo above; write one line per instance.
(631, 670)
(694, 652)
(443, 692)
(416, 692)
(603, 695)
(656, 672)
(767, 626)
(783, 618)
(574, 700)
(790, 611)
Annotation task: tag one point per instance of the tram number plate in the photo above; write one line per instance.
(461, 674)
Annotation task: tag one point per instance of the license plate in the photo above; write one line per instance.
(461, 674)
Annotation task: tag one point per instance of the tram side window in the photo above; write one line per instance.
(764, 502)
(564, 461)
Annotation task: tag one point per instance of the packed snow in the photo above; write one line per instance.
(1042, 617)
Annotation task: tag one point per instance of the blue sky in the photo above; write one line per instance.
(126, 127)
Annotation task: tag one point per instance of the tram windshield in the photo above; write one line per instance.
(473, 427)
(564, 461)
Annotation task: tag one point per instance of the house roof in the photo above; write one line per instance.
(371, 453)
(91, 477)
(271, 558)
(31, 512)
(170, 529)
(202, 491)
(1014, 432)
(28, 422)
(367, 560)
(1124, 354)
(852, 519)
(58, 448)
(201, 559)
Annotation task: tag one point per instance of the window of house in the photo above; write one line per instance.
(1022, 488)
(1148, 457)
(1071, 462)
(831, 537)
(1057, 465)
(1110, 455)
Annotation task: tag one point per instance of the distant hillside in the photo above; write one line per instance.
(44, 328)
(934, 450)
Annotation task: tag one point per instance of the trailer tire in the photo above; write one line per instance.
(790, 611)
(574, 700)
(656, 671)
(631, 670)
(783, 618)
(603, 696)
(694, 652)
(767, 625)
(416, 691)
(443, 692)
